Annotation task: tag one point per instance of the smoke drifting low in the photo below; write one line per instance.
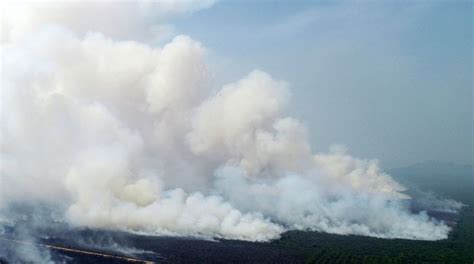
(135, 137)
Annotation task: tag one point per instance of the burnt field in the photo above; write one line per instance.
(115, 246)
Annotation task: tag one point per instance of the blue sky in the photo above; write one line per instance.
(389, 79)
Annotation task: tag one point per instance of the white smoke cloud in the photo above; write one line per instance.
(135, 137)
(242, 124)
(107, 198)
(361, 175)
(309, 204)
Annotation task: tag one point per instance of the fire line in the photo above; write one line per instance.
(76, 251)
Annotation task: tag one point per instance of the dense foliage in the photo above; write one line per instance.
(326, 248)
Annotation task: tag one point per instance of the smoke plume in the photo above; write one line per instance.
(132, 136)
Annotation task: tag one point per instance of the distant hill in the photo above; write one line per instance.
(447, 179)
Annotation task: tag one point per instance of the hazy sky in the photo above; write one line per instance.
(390, 80)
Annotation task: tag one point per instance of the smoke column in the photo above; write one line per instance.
(133, 136)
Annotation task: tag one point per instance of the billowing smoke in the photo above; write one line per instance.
(131, 136)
